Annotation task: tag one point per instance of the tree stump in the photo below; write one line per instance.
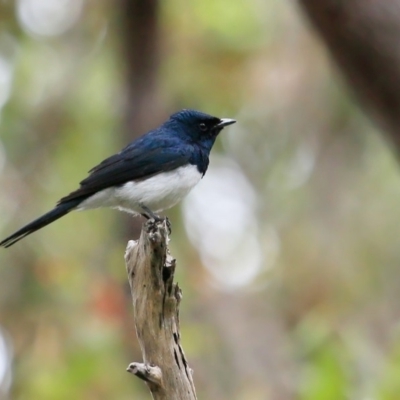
(156, 300)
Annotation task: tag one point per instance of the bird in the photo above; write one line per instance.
(151, 174)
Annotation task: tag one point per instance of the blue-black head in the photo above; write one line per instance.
(198, 127)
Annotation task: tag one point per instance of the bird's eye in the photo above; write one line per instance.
(203, 126)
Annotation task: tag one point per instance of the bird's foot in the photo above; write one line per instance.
(148, 214)
(169, 226)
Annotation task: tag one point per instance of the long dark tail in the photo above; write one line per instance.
(57, 212)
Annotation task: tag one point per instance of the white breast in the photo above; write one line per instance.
(158, 193)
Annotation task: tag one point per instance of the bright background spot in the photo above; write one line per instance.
(220, 219)
(5, 364)
(48, 17)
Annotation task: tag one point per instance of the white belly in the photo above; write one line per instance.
(158, 193)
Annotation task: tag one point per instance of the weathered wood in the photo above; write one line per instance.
(156, 300)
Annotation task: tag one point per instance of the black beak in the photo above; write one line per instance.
(225, 122)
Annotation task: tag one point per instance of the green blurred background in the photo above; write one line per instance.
(288, 251)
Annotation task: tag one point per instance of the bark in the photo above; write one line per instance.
(363, 38)
(156, 300)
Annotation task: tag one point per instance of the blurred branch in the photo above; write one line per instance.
(139, 36)
(156, 301)
(363, 37)
(140, 39)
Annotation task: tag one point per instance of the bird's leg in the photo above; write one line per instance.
(148, 214)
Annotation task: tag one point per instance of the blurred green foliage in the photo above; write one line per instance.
(317, 317)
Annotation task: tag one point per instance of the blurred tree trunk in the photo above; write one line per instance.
(139, 36)
(140, 39)
(363, 37)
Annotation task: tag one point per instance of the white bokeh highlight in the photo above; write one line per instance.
(6, 78)
(48, 17)
(299, 168)
(220, 219)
(5, 364)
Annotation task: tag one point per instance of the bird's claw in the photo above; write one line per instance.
(148, 214)
(169, 226)
(157, 218)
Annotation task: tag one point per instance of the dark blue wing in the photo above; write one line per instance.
(131, 164)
